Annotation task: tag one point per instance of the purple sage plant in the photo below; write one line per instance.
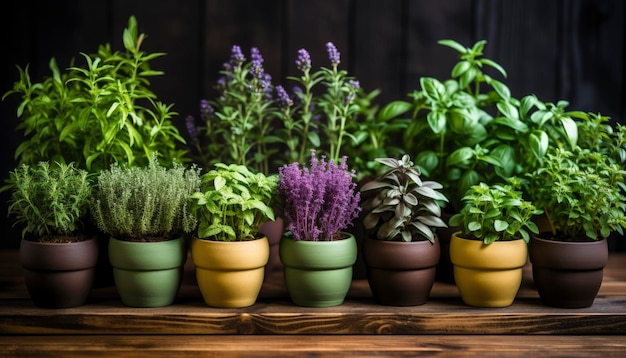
(318, 201)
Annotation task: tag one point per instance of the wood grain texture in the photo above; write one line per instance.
(317, 346)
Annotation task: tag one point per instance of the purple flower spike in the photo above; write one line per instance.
(304, 60)
(206, 110)
(319, 201)
(236, 56)
(192, 129)
(333, 55)
(257, 63)
(283, 98)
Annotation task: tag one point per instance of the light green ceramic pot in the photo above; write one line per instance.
(318, 273)
(147, 274)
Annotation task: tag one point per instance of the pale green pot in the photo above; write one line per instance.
(318, 273)
(147, 274)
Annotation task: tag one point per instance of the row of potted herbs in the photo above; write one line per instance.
(96, 140)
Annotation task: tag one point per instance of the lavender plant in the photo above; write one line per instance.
(318, 201)
(238, 118)
(318, 120)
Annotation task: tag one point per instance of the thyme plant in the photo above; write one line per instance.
(49, 200)
(146, 203)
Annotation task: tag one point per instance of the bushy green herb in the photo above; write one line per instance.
(49, 200)
(581, 193)
(99, 113)
(135, 203)
(404, 207)
(456, 124)
(496, 212)
(233, 203)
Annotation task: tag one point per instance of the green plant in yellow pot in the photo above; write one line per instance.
(229, 252)
(490, 251)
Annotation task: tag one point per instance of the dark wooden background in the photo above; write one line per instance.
(557, 49)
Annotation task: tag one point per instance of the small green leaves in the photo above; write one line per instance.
(496, 212)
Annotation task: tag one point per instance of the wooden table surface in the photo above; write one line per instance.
(274, 327)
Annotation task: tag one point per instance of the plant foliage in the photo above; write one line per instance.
(496, 212)
(233, 203)
(49, 199)
(137, 203)
(99, 113)
(403, 208)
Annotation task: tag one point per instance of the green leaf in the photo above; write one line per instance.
(460, 156)
(460, 68)
(538, 142)
(474, 226)
(437, 121)
(314, 138)
(433, 89)
(571, 130)
(500, 225)
(394, 109)
(219, 182)
(453, 44)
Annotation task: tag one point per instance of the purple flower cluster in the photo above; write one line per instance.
(236, 56)
(333, 55)
(206, 110)
(192, 129)
(304, 60)
(284, 101)
(319, 201)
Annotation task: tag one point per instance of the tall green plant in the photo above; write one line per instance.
(98, 113)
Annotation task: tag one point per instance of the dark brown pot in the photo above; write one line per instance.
(568, 274)
(59, 275)
(400, 273)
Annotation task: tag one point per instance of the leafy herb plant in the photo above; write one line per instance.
(99, 113)
(456, 124)
(318, 201)
(404, 207)
(146, 203)
(581, 193)
(496, 212)
(49, 200)
(233, 203)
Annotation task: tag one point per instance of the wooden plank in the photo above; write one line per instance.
(318, 346)
(280, 316)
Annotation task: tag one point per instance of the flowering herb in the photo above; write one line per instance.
(237, 119)
(320, 201)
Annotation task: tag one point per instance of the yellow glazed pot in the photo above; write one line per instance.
(488, 275)
(230, 274)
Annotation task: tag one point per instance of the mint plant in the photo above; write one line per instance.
(97, 113)
(146, 203)
(233, 203)
(403, 206)
(496, 212)
(49, 200)
(318, 201)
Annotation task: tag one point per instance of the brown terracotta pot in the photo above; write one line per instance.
(400, 273)
(59, 275)
(568, 274)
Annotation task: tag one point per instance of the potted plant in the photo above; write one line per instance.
(319, 202)
(490, 250)
(147, 213)
(58, 255)
(401, 251)
(582, 195)
(230, 252)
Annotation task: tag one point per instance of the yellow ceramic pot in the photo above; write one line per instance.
(230, 274)
(488, 275)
